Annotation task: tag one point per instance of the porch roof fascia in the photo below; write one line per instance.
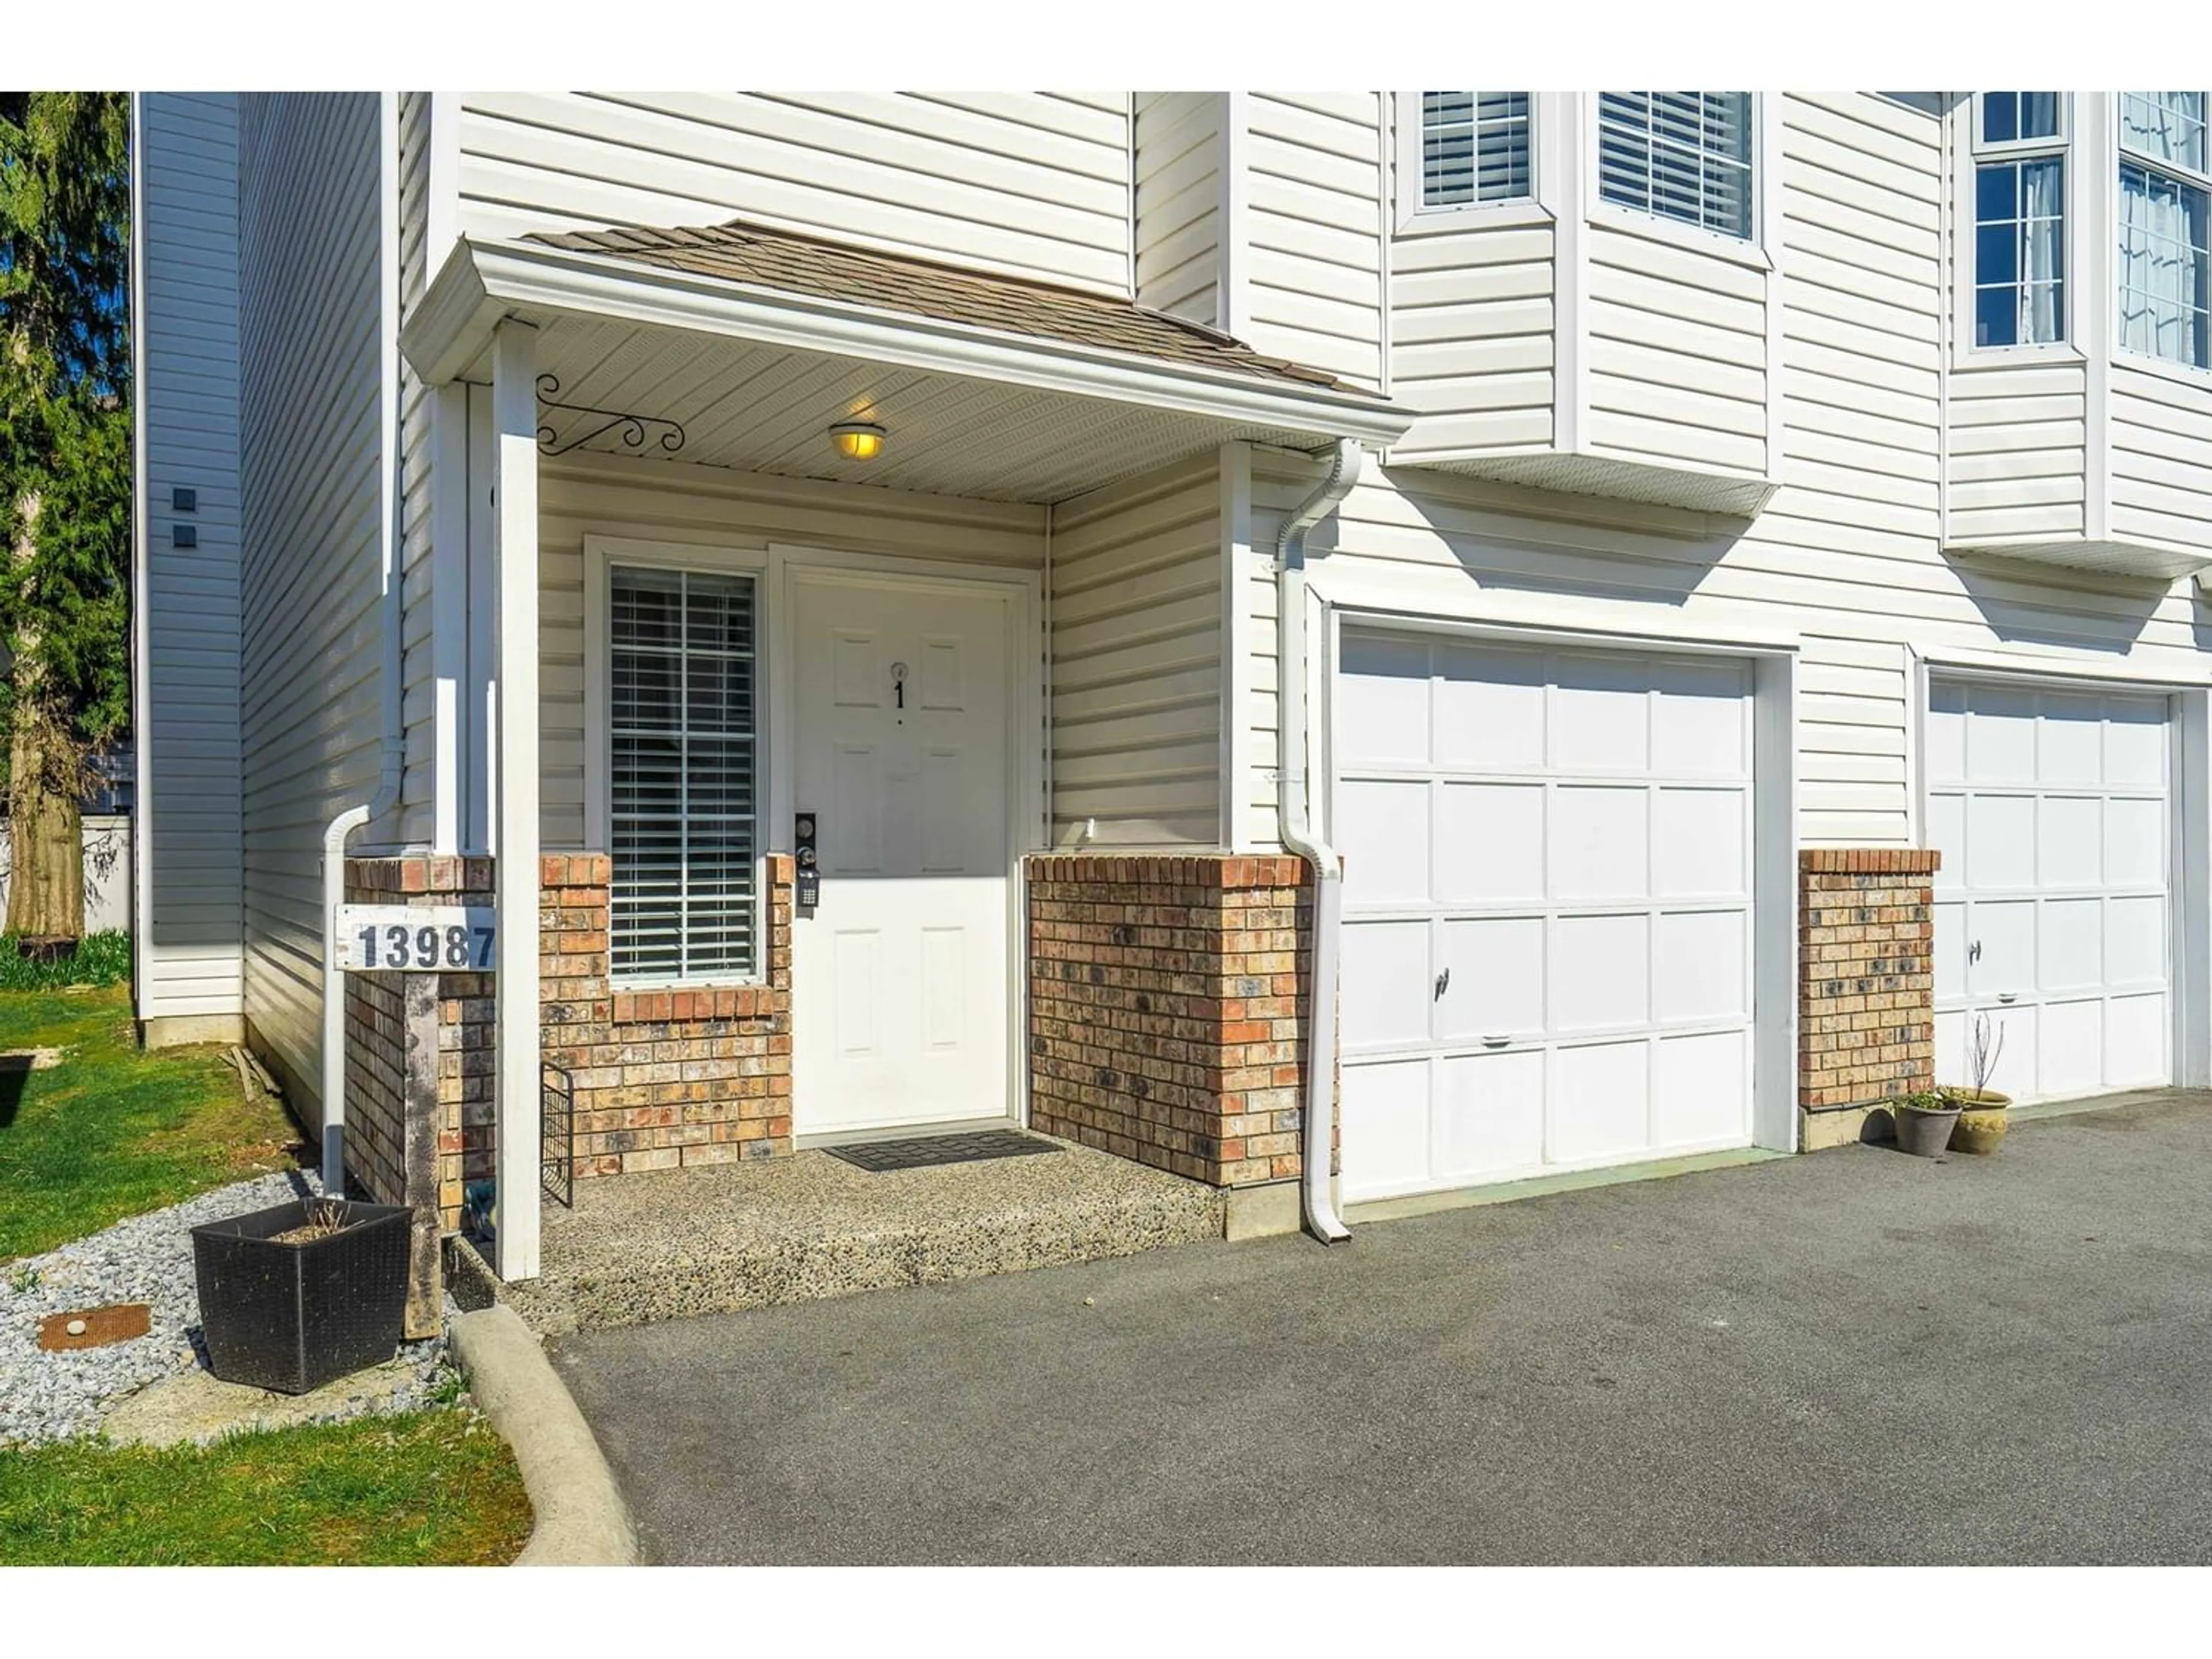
(483, 282)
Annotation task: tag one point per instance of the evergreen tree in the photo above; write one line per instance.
(65, 479)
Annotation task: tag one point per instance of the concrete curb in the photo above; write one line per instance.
(582, 1521)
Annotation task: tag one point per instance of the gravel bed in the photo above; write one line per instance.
(148, 1258)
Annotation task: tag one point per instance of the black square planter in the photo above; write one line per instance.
(292, 1317)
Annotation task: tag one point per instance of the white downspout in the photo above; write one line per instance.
(1294, 815)
(343, 827)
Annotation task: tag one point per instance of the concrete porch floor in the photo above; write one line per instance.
(678, 1244)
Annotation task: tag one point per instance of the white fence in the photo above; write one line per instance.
(106, 871)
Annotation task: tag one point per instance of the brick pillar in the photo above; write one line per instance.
(1866, 1026)
(1165, 1009)
(409, 1110)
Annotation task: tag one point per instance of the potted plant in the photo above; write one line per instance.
(1981, 1123)
(299, 1294)
(1924, 1121)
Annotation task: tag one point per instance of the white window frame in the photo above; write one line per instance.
(2199, 179)
(1766, 156)
(602, 554)
(1971, 153)
(1415, 217)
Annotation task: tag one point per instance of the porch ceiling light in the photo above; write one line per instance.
(858, 441)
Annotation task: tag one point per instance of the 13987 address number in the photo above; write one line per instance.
(402, 939)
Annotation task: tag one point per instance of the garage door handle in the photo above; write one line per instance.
(1496, 1042)
(1443, 980)
(2007, 996)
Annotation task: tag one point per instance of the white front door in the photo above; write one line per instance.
(902, 976)
(1547, 934)
(2051, 808)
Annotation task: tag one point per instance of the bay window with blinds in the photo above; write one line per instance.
(2020, 149)
(1685, 156)
(1476, 148)
(2166, 228)
(683, 766)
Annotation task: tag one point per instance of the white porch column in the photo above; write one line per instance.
(515, 586)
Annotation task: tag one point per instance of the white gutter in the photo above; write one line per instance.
(343, 827)
(1294, 815)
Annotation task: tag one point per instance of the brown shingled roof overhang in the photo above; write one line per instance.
(741, 252)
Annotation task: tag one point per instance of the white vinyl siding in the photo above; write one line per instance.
(2017, 453)
(189, 730)
(1471, 319)
(712, 509)
(1135, 623)
(419, 707)
(1682, 155)
(1313, 171)
(1179, 154)
(310, 704)
(2161, 457)
(1033, 183)
(682, 712)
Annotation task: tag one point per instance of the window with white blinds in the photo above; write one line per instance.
(683, 755)
(1475, 147)
(1680, 155)
(2165, 227)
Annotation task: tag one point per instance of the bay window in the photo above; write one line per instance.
(1679, 156)
(682, 706)
(1475, 147)
(2020, 219)
(2166, 228)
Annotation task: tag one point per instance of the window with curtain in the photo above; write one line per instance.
(682, 764)
(1680, 155)
(1475, 147)
(2020, 219)
(2166, 228)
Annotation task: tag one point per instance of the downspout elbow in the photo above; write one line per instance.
(1294, 816)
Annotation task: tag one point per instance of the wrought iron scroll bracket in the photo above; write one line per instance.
(633, 432)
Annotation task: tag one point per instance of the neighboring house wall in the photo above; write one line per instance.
(1033, 183)
(188, 719)
(1179, 162)
(1136, 649)
(420, 707)
(309, 328)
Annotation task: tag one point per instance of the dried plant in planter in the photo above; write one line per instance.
(326, 1218)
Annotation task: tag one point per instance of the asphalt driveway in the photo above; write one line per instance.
(1855, 1357)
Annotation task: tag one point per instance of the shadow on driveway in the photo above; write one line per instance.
(1853, 1357)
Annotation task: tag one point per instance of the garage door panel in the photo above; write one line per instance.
(2070, 1048)
(1599, 1104)
(1496, 983)
(2001, 735)
(1947, 729)
(1700, 1090)
(2005, 930)
(2069, 741)
(1600, 715)
(1382, 703)
(2134, 951)
(1599, 978)
(2070, 840)
(2000, 842)
(1489, 709)
(2012, 1035)
(2135, 1030)
(2071, 945)
(1699, 725)
(2134, 743)
(1599, 843)
(1385, 984)
(1701, 967)
(1490, 1119)
(2135, 841)
(1384, 827)
(1386, 1127)
(1490, 837)
(1699, 849)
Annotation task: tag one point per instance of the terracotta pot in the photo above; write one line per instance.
(1981, 1120)
(1922, 1133)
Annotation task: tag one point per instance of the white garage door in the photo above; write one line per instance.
(2053, 910)
(1547, 946)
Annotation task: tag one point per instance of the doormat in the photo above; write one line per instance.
(922, 1152)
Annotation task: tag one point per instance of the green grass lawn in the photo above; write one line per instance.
(112, 1132)
(435, 1488)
